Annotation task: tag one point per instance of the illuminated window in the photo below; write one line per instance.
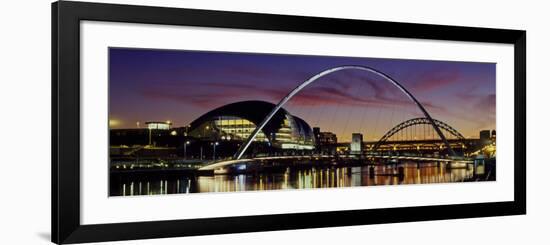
(158, 125)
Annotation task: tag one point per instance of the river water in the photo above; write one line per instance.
(315, 177)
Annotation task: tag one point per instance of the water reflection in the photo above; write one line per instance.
(315, 177)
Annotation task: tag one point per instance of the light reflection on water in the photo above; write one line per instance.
(326, 177)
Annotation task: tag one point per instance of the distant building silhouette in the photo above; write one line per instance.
(487, 136)
(356, 145)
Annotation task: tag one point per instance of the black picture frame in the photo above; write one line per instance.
(66, 18)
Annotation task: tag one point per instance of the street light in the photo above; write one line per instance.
(185, 150)
(149, 128)
(214, 154)
(207, 128)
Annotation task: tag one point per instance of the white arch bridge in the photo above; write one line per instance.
(435, 124)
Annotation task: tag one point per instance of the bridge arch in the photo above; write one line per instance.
(412, 122)
(314, 78)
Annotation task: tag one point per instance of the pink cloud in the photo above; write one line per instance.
(434, 80)
(212, 94)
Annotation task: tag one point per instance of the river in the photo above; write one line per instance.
(314, 177)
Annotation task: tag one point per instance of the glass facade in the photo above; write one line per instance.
(237, 128)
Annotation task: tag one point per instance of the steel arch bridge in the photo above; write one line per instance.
(414, 122)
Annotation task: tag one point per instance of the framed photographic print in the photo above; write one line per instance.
(175, 122)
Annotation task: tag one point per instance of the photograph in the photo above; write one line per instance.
(203, 121)
(272, 122)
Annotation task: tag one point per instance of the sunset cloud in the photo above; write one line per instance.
(429, 81)
(157, 84)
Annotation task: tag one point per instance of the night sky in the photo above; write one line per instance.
(177, 85)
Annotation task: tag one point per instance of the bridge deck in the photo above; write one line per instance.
(225, 163)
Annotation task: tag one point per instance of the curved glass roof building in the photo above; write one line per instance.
(238, 120)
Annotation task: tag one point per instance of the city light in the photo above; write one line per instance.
(113, 123)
